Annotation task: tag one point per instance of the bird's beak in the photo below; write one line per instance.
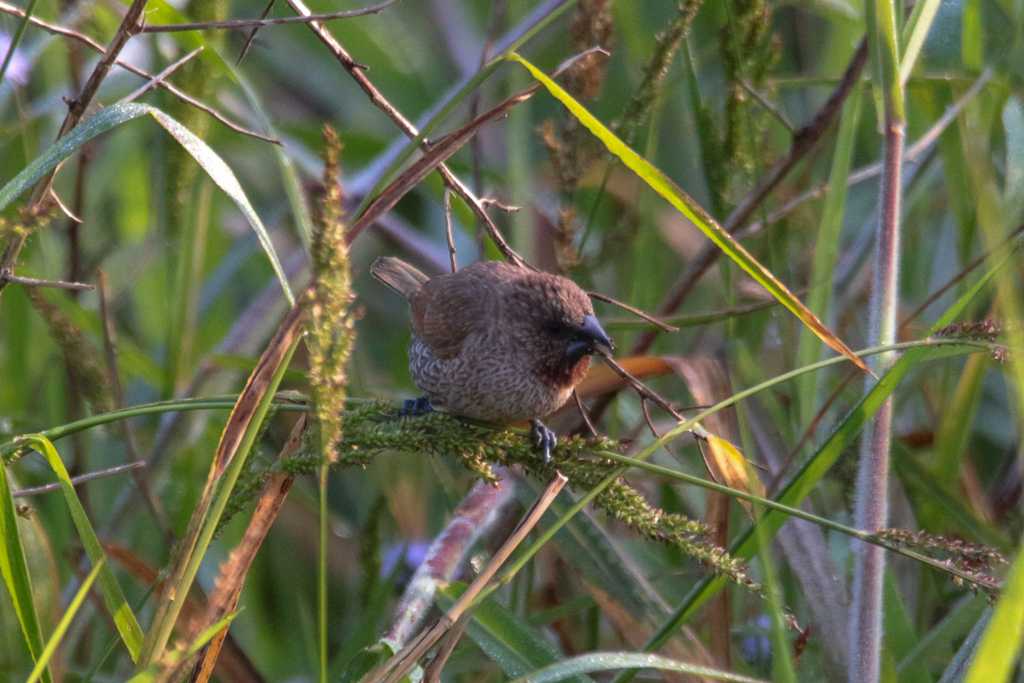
(593, 331)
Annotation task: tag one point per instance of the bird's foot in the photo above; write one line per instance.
(414, 407)
(543, 438)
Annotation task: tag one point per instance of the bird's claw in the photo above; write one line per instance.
(414, 407)
(543, 438)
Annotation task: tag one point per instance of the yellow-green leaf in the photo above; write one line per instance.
(686, 205)
(727, 466)
(113, 597)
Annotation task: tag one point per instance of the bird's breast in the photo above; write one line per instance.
(491, 380)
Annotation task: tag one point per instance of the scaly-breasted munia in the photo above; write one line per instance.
(496, 342)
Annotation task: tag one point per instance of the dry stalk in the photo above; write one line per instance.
(393, 670)
(7, 8)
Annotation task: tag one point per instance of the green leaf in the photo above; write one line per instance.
(110, 589)
(914, 33)
(608, 661)
(14, 569)
(151, 673)
(222, 175)
(826, 250)
(65, 623)
(108, 118)
(511, 643)
(686, 205)
(111, 117)
(1004, 636)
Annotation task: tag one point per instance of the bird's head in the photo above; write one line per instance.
(557, 327)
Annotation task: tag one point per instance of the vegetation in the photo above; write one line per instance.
(798, 221)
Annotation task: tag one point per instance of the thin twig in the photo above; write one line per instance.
(871, 508)
(640, 387)
(377, 98)
(448, 228)
(159, 78)
(660, 324)
(129, 25)
(498, 204)
(395, 668)
(803, 142)
(444, 651)
(483, 509)
(7, 276)
(249, 39)
(646, 409)
(915, 150)
(768, 106)
(583, 413)
(6, 8)
(81, 479)
(236, 24)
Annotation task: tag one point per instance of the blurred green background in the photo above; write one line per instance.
(194, 300)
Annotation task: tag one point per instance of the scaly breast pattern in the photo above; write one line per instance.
(487, 380)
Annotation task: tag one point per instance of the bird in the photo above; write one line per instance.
(496, 342)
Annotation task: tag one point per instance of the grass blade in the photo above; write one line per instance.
(821, 462)
(14, 569)
(1004, 636)
(222, 175)
(607, 661)
(113, 597)
(826, 250)
(153, 672)
(512, 644)
(111, 117)
(687, 206)
(239, 435)
(914, 33)
(16, 40)
(65, 623)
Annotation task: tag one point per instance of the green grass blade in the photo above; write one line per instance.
(19, 33)
(511, 643)
(222, 176)
(14, 569)
(687, 206)
(152, 673)
(201, 529)
(826, 250)
(914, 33)
(1004, 636)
(106, 119)
(64, 623)
(937, 644)
(215, 167)
(804, 481)
(110, 589)
(609, 661)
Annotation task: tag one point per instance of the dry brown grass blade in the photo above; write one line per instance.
(235, 428)
(395, 669)
(256, 386)
(601, 379)
(234, 665)
(435, 155)
(235, 569)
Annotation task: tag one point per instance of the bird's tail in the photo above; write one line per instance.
(398, 275)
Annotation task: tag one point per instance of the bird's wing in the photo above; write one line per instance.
(451, 307)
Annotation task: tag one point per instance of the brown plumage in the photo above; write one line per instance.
(493, 341)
